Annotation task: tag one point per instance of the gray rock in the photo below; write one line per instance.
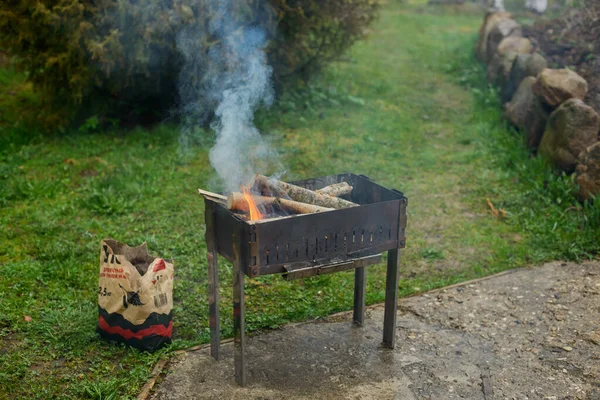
(555, 86)
(588, 172)
(490, 20)
(500, 31)
(527, 113)
(524, 65)
(571, 129)
(499, 68)
(508, 50)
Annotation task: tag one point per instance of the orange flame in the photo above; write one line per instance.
(255, 214)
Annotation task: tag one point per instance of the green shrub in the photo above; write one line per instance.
(119, 58)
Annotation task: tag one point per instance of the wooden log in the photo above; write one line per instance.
(301, 208)
(300, 194)
(237, 202)
(260, 184)
(336, 190)
(213, 196)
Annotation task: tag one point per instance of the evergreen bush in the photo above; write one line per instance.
(119, 58)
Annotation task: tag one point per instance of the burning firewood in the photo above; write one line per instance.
(237, 202)
(300, 194)
(336, 190)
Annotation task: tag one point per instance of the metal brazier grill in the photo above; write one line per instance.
(305, 245)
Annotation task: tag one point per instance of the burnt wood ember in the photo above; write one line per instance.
(306, 245)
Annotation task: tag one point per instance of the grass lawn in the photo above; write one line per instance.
(408, 107)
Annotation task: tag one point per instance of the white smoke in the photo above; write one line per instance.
(226, 65)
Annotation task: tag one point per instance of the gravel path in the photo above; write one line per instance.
(528, 334)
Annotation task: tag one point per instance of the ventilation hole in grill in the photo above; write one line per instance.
(353, 237)
(390, 232)
(307, 247)
(326, 237)
(335, 242)
(267, 254)
(287, 251)
(381, 230)
(277, 252)
(345, 240)
(297, 247)
(316, 245)
(371, 237)
(362, 238)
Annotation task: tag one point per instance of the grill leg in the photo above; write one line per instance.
(360, 284)
(391, 298)
(239, 315)
(213, 284)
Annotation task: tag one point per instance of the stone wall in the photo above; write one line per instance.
(545, 104)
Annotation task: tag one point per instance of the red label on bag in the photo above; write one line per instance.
(159, 266)
(159, 330)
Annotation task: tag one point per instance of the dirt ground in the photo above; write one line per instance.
(527, 334)
(567, 42)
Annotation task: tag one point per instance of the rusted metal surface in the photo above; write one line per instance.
(360, 288)
(308, 270)
(391, 299)
(392, 279)
(323, 236)
(306, 245)
(226, 222)
(239, 312)
(271, 245)
(213, 281)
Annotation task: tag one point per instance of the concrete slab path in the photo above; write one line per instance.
(529, 334)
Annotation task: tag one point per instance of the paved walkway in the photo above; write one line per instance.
(529, 334)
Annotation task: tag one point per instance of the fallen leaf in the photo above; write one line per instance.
(100, 160)
(87, 173)
(28, 318)
(496, 213)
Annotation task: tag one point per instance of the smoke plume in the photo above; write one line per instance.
(226, 70)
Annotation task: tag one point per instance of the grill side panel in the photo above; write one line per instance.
(335, 235)
(226, 225)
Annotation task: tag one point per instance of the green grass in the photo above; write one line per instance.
(409, 108)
